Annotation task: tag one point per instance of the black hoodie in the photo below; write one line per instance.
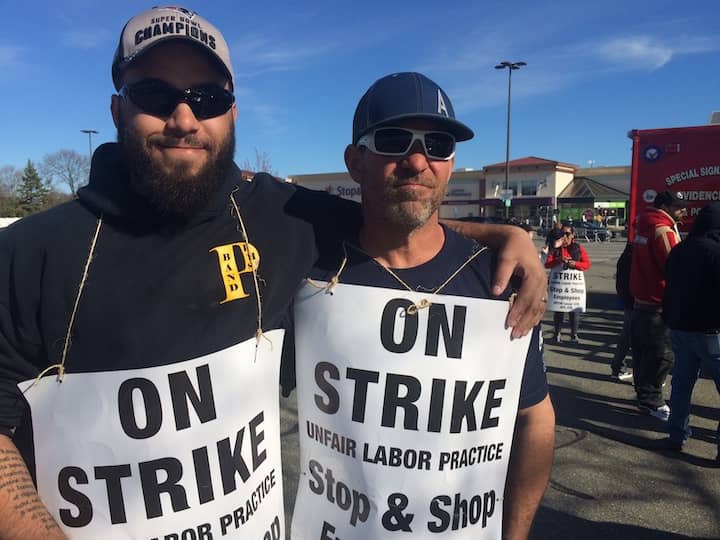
(692, 273)
(155, 293)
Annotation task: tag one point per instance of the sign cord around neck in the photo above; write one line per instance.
(411, 310)
(259, 333)
(68, 335)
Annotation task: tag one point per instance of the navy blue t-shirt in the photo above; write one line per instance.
(473, 281)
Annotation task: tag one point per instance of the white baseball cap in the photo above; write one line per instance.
(166, 23)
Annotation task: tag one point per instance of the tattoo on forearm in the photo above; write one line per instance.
(22, 496)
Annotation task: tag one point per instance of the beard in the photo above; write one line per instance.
(411, 215)
(175, 191)
(406, 211)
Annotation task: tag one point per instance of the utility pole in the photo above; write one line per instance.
(89, 134)
(510, 67)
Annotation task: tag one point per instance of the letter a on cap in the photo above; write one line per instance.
(442, 109)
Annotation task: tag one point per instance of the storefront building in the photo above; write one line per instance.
(463, 196)
(585, 199)
(533, 182)
(542, 190)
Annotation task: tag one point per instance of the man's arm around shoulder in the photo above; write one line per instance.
(530, 466)
(22, 514)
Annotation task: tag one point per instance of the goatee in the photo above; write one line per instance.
(175, 194)
(410, 215)
(407, 211)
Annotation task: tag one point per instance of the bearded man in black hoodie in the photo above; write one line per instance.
(691, 311)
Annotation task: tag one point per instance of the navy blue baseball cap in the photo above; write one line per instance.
(402, 96)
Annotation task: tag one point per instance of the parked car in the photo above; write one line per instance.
(592, 232)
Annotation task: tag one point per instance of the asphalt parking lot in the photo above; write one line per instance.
(608, 481)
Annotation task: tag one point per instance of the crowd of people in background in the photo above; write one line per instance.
(668, 290)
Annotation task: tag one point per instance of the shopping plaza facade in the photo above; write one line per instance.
(540, 188)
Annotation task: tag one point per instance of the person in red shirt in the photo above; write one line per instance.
(569, 255)
(655, 235)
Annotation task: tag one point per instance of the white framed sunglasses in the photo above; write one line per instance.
(395, 141)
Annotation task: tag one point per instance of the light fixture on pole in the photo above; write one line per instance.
(510, 67)
(89, 134)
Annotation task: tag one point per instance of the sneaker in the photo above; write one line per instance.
(574, 339)
(555, 339)
(622, 376)
(661, 413)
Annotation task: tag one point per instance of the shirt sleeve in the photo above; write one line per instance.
(19, 336)
(534, 386)
(552, 258)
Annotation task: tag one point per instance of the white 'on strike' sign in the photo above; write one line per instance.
(187, 450)
(406, 421)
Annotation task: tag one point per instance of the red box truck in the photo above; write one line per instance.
(684, 159)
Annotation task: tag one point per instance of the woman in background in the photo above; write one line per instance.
(568, 256)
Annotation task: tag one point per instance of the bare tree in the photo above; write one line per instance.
(9, 179)
(262, 164)
(66, 167)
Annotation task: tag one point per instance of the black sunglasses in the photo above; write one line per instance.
(567, 233)
(160, 99)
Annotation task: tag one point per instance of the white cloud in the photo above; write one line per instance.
(648, 52)
(641, 51)
(466, 67)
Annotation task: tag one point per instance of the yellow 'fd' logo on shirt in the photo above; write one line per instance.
(229, 270)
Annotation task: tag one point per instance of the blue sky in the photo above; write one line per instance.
(596, 69)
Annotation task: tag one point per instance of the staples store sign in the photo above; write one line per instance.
(346, 190)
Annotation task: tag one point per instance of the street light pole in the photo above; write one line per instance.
(89, 134)
(510, 67)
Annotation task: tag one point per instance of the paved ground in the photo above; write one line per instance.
(607, 483)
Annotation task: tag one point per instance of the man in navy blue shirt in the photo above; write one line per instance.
(402, 156)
